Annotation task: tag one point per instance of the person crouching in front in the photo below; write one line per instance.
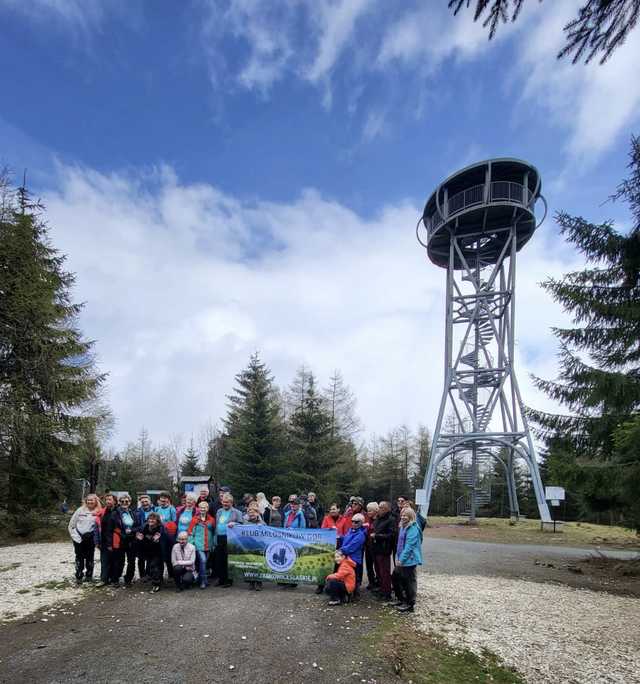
(183, 559)
(341, 584)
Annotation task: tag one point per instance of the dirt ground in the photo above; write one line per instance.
(214, 635)
(236, 635)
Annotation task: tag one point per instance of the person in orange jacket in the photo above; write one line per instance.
(341, 584)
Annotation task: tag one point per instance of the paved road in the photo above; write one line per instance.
(449, 556)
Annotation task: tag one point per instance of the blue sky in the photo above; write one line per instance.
(227, 176)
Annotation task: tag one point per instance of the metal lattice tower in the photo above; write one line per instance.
(476, 221)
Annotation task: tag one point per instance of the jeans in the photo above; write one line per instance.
(202, 567)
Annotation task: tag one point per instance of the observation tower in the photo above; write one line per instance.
(474, 224)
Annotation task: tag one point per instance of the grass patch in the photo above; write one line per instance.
(426, 659)
(52, 528)
(23, 591)
(11, 566)
(56, 585)
(502, 530)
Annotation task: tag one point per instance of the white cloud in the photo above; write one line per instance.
(183, 283)
(335, 22)
(594, 103)
(81, 15)
(301, 37)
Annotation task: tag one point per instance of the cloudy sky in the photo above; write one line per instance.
(241, 175)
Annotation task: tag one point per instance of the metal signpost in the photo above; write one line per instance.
(475, 222)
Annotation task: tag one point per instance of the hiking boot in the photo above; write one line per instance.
(405, 608)
(155, 589)
(334, 603)
(319, 590)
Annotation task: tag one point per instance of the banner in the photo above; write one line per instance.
(258, 553)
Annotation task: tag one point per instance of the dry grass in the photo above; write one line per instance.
(528, 532)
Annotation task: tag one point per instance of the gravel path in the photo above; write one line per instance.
(25, 569)
(218, 635)
(472, 593)
(549, 633)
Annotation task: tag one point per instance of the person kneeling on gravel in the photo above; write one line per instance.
(183, 559)
(341, 584)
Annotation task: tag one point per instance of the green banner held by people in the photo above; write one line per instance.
(259, 553)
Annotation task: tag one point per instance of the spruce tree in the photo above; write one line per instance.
(599, 382)
(600, 27)
(47, 370)
(190, 465)
(254, 432)
(310, 440)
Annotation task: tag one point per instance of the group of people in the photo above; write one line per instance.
(190, 540)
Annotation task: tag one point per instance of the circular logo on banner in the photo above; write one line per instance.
(280, 556)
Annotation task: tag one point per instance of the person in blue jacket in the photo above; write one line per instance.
(295, 517)
(408, 557)
(353, 545)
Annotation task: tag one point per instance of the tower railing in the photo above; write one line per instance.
(499, 193)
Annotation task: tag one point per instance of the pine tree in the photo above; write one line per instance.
(310, 440)
(600, 28)
(47, 370)
(254, 439)
(599, 380)
(190, 465)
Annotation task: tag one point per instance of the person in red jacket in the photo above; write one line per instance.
(334, 521)
(341, 584)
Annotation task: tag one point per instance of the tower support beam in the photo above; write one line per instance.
(477, 221)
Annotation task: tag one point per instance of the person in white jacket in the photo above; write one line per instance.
(84, 529)
(183, 559)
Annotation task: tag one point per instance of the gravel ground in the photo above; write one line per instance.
(548, 632)
(23, 568)
(472, 593)
(219, 635)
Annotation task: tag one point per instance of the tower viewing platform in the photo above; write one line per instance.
(481, 205)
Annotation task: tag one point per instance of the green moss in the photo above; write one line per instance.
(54, 584)
(11, 566)
(423, 658)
